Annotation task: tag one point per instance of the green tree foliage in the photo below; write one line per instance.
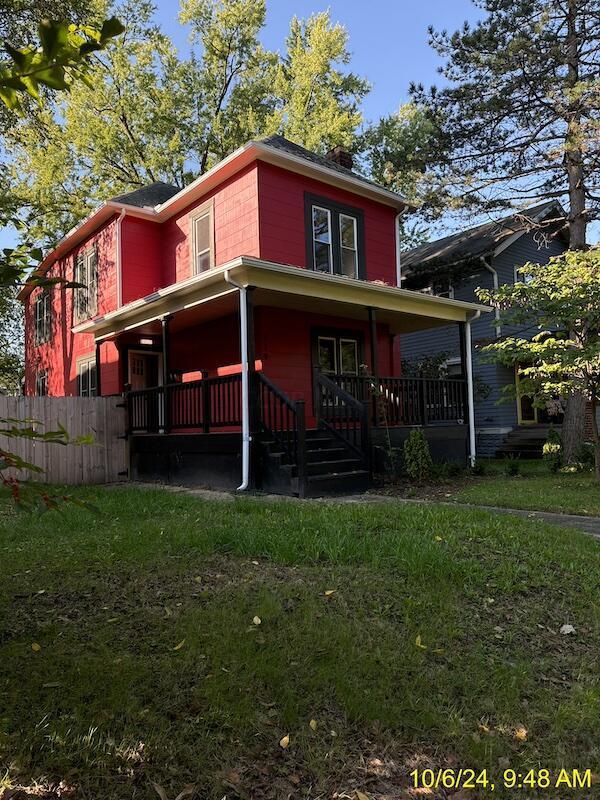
(562, 299)
(520, 115)
(154, 115)
(316, 103)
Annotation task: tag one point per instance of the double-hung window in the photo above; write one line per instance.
(41, 383)
(334, 238)
(43, 310)
(85, 298)
(202, 238)
(86, 377)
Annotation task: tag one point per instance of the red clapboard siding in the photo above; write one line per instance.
(281, 197)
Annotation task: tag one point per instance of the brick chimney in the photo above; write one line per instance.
(340, 156)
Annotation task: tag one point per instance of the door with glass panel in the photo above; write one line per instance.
(338, 357)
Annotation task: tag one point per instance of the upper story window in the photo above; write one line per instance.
(86, 377)
(43, 317)
(440, 287)
(85, 299)
(202, 238)
(334, 238)
(41, 383)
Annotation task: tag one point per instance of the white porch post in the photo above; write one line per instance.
(470, 395)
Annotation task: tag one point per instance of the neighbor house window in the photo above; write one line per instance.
(440, 287)
(202, 238)
(85, 298)
(43, 309)
(41, 383)
(521, 276)
(86, 377)
(334, 238)
(453, 368)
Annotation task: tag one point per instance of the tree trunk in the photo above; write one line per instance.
(596, 439)
(573, 427)
(574, 421)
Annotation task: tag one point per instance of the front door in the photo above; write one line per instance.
(527, 413)
(337, 355)
(144, 370)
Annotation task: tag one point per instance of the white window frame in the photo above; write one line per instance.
(205, 210)
(342, 247)
(314, 208)
(85, 271)
(429, 290)
(41, 377)
(335, 352)
(42, 317)
(522, 278)
(87, 362)
(452, 362)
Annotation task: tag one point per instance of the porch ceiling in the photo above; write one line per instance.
(286, 287)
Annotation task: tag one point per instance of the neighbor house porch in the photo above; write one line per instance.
(280, 378)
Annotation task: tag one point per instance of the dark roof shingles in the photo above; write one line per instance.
(473, 242)
(148, 196)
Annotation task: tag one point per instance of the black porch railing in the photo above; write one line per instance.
(409, 400)
(347, 417)
(204, 405)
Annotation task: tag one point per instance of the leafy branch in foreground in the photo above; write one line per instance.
(27, 496)
(63, 56)
(561, 299)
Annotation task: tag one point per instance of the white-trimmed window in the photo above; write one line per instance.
(43, 317)
(86, 377)
(85, 298)
(349, 246)
(334, 237)
(453, 367)
(41, 383)
(202, 238)
(321, 237)
(520, 276)
(440, 287)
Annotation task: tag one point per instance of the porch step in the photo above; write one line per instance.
(335, 483)
(333, 467)
(333, 453)
(524, 442)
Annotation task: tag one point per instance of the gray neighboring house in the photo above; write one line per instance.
(486, 256)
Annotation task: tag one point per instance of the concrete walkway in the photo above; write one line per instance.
(589, 525)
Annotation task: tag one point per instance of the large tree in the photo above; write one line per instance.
(520, 117)
(155, 115)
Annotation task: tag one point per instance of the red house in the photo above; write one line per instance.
(251, 320)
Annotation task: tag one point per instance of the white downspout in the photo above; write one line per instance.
(495, 284)
(245, 385)
(119, 260)
(470, 393)
(398, 253)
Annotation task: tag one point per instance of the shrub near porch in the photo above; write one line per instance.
(180, 641)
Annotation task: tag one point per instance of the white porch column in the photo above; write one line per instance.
(470, 394)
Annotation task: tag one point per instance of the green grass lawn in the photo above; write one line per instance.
(535, 488)
(130, 649)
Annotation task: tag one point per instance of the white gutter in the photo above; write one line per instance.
(470, 393)
(119, 259)
(398, 255)
(245, 385)
(495, 285)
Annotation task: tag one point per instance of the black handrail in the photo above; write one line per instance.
(205, 404)
(410, 400)
(345, 416)
(285, 420)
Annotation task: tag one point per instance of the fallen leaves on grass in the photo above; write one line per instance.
(180, 645)
(187, 791)
(566, 629)
(521, 733)
(329, 592)
(256, 620)
(313, 724)
(421, 646)
(36, 647)
(285, 742)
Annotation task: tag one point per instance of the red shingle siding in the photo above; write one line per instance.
(282, 225)
(60, 354)
(235, 221)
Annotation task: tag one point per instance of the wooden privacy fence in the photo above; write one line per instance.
(102, 417)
